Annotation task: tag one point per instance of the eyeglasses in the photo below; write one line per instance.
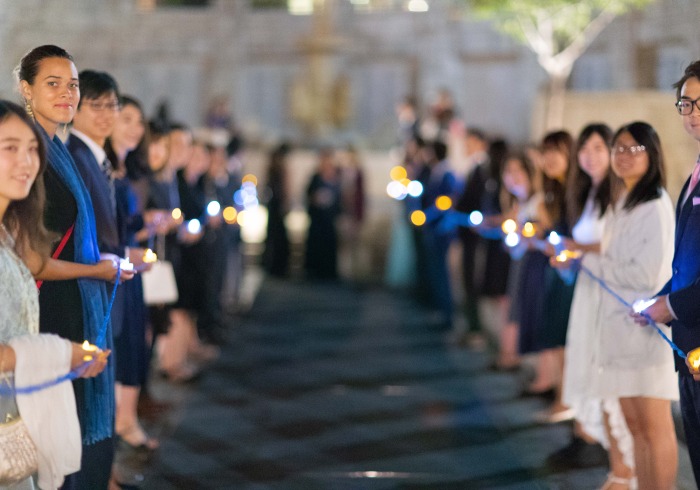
(101, 106)
(630, 150)
(685, 106)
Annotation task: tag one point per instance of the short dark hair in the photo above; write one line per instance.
(95, 84)
(692, 70)
(650, 185)
(29, 64)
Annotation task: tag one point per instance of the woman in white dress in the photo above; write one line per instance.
(21, 204)
(587, 199)
(631, 363)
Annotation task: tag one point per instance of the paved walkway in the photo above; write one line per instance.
(323, 386)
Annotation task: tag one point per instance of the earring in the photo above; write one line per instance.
(28, 108)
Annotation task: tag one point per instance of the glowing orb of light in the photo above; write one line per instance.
(443, 203)
(250, 178)
(528, 230)
(509, 226)
(414, 188)
(176, 214)
(554, 238)
(213, 208)
(512, 239)
(476, 218)
(194, 226)
(398, 173)
(418, 218)
(230, 214)
(642, 304)
(396, 190)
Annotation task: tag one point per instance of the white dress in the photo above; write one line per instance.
(19, 314)
(577, 390)
(627, 360)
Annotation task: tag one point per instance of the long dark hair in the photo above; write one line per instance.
(25, 218)
(555, 191)
(136, 161)
(652, 182)
(580, 183)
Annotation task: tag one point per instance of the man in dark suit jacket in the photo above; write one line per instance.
(678, 303)
(94, 120)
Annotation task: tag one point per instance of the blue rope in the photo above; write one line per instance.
(75, 373)
(620, 299)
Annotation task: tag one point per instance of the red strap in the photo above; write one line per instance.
(59, 249)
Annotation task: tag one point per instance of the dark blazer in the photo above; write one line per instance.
(684, 286)
(99, 188)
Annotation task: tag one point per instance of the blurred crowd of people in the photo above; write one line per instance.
(103, 189)
(92, 192)
(550, 244)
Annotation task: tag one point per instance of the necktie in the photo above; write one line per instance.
(695, 177)
(108, 171)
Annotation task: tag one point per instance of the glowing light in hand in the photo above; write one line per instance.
(528, 230)
(125, 265)
(554, 238)
(509, 226)
(418, 218)
(230, 214)
(443, 203)
(398, 173)
(512, 239)
(213, 208)
(396, 190)
(194, 226)
(415, 188)
(642, 304)
(176, 214)
(149, 256)
(476, 218)
(694, 358)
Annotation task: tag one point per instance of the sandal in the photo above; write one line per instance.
(136, 432)
(618, 480)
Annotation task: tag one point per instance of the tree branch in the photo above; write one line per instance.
(567, 56)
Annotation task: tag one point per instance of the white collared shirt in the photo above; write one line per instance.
(96, 149)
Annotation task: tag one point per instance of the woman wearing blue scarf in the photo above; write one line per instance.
(74, 309)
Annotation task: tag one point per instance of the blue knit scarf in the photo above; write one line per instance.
(97, 415)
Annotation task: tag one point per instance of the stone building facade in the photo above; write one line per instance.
(261, 60)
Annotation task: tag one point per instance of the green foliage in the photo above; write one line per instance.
(562, 21)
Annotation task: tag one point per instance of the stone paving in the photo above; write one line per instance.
(323, 386)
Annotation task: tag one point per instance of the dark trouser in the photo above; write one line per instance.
(95, 467)
(690, 409)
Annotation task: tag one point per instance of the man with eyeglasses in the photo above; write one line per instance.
(94, 121)
(678, 303)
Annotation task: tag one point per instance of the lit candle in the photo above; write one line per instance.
(87, 346)
(565, 255)
(694, 358)
(125, 265)
(642, 304)
(509, 226)
(528, 230)
(149, 256)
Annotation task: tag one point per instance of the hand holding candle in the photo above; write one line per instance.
(693, 363)
(88, 359)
